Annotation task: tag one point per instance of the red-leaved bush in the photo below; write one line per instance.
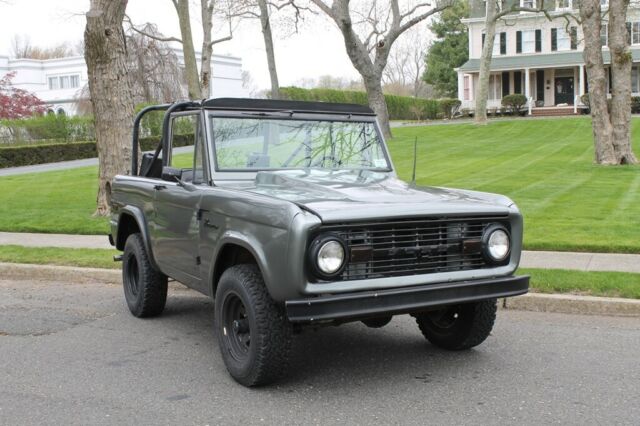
(17, 103)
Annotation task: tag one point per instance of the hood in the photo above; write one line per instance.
(362, 194)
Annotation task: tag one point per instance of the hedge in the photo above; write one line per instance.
(49, 127)
(400, 107)
(53, 153)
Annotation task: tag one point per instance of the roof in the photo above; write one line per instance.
(549, 60)
(285, 105)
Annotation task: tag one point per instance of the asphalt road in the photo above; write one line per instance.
(72, 354)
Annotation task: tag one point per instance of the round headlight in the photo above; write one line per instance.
(330, 257)
(496, 243)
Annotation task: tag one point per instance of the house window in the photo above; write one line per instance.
(604, 34)
(529, 4)
(564, 39)
(635, 33)
(53, 83)
(495, 87)
(564, 4)
(496, 45)
(635, 86)
(528, 41)
(64, 82)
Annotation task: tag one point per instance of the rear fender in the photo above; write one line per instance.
(138, 216)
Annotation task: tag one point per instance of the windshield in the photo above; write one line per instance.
(250, 144)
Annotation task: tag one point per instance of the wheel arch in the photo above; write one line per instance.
(130, 221)
(235, 251)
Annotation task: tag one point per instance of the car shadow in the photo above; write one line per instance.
(350, 355)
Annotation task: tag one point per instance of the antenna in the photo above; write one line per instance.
(415, 159)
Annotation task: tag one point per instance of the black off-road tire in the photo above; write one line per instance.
(253, 332)
(459, 327)
(145, 288)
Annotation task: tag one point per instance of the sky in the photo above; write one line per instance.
(316, 50)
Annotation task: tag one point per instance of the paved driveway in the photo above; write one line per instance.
(72, 354)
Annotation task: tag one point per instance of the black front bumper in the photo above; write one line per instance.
(352, 306)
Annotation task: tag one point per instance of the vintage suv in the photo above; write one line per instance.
(290, 215)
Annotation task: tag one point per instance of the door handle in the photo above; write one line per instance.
(159, 187)
(208, 224)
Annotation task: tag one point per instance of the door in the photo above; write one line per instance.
(176, 223)
(564, 90)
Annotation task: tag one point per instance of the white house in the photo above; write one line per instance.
(536, 57)
(58, 81)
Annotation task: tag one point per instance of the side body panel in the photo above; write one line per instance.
(175, 232)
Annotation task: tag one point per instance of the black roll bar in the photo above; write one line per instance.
(164, 141)
(136, 133)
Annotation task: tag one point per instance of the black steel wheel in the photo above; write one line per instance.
(145, 288)
(236, 328)
(458, 327)
(253, 332)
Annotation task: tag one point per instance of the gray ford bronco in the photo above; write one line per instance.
(290, 215)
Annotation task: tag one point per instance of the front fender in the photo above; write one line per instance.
(252, 246)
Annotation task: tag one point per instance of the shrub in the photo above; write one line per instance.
(400, 107)
(39, 154)
(50, 127)
(635, 104)
(449, 107)
(585, 99)
(514, 103)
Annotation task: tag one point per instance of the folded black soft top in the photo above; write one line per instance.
(285, 105)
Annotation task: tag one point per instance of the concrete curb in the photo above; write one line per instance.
(28, 272)
(573, 304)
(537, 302)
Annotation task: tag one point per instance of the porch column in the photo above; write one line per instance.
(581, 80)
(472, 91)
(461, 86)
(527, 88)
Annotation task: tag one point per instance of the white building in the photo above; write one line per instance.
(58, 82)
(536, 57)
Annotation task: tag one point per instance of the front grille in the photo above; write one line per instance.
(413, 246)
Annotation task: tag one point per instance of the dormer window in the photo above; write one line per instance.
(564, 4)
(528, 4)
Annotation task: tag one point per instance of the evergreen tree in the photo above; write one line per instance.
(449, 51)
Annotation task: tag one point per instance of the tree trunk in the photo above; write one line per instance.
(621, 80)
(190, 63)
(482, 92)
(111, 95)
(268, 44)
(207, 48)
(377, 103)
(597, 78)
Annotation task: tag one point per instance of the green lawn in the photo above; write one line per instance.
(544, 165)
(91, 258)
(610, 284)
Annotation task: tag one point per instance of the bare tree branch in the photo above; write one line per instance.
(156, 37)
